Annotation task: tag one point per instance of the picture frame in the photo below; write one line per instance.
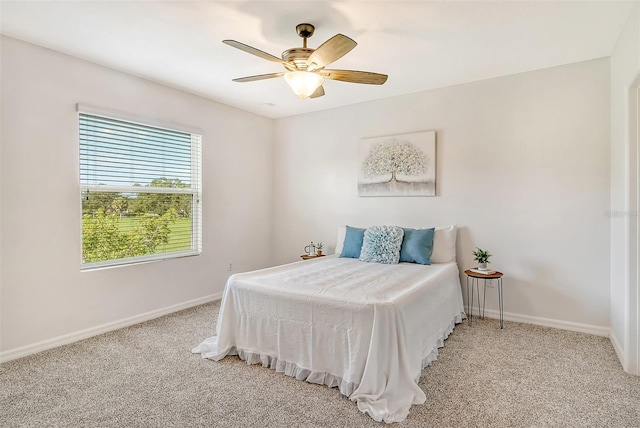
(398, 165)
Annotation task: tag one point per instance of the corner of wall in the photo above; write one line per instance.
(618, 348)
(272, 207)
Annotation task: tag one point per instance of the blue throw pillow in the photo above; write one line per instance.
(352, 242)
(417, 246)
(382, 244)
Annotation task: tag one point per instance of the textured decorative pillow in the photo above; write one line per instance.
(382, 244)
(417, 245)
(352, 242)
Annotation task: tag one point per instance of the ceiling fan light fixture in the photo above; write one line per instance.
(303, 83)
(305, 67)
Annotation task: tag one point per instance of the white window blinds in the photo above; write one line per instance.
(140, 188)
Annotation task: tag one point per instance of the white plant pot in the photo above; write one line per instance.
(483, 266)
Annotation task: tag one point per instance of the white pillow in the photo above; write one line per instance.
(444, 244)
(342, 231)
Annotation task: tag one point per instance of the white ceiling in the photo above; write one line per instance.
(421, 45)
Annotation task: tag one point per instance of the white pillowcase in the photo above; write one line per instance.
(342, 232)
(444, 244)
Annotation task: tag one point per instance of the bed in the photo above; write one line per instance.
(365, 328)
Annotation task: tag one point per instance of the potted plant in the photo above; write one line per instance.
(482, 257)
(319, 248)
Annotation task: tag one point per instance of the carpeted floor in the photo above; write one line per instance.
(145, 376)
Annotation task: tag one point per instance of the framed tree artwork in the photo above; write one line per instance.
(398, 165)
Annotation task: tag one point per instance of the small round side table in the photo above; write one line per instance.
(473, 278)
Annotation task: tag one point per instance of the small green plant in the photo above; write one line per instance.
(481, 256)
(319, 246)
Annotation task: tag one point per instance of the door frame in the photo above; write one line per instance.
(632, 319)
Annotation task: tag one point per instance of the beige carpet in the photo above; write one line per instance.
(145, 376)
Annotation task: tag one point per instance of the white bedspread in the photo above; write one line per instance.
(367, 328)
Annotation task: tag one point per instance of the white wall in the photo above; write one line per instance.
(625, 66)
(44, 295)
(522, 168)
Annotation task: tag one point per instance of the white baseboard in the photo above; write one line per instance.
(547, 322)
(618, 349)
(34, 348)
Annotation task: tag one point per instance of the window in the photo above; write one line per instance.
(140, 187)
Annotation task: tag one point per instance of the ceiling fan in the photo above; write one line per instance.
(306, 67)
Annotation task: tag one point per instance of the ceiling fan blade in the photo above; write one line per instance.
(330, 51)
(253, 51)
(353, 76)
(318, 93)
(258, 77)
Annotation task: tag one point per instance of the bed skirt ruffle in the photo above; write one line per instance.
(320, 378)
(291, 369)
(433, 355)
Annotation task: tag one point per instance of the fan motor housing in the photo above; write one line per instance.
(297, 57)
